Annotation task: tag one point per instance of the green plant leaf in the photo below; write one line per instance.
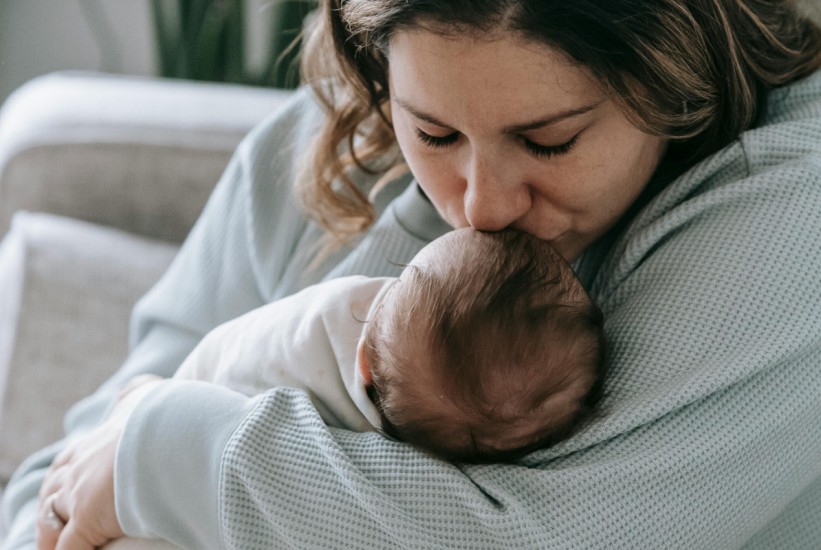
(205, 40)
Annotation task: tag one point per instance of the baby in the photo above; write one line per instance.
(484, 349)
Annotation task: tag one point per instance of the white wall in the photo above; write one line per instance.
(40, 36)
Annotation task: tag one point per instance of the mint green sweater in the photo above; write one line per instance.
(711, 433)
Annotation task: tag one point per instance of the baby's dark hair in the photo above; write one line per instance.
(487, 349)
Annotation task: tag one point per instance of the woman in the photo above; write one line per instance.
(672, 153)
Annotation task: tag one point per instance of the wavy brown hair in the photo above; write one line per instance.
(694, 71)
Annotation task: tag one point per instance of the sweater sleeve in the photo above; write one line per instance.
(170, 490)
(710, 435)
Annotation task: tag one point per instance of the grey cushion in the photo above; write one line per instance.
(137, 154)
(66, 291)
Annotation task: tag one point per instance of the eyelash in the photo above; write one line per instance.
(436, 141)
(534, 148)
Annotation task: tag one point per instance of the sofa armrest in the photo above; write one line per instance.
(66, 292)
(137, 154)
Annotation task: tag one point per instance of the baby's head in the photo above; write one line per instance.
(486, 348)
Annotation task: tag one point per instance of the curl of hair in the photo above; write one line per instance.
(694, 71)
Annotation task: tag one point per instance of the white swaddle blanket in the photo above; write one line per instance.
(306, 341)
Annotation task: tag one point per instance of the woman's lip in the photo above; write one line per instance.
(564, 245)
(553, 239)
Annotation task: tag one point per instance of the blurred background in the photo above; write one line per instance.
(101, 177)
(243, 41)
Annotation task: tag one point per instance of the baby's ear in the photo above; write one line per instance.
(362, 363)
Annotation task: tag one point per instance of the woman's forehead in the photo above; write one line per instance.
(504, 78)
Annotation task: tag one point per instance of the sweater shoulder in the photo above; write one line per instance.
(790, 134)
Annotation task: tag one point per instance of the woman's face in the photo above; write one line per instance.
(505, 132)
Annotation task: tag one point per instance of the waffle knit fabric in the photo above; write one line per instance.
(711, 429)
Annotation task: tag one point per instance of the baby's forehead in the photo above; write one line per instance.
(468, 246)
(445, 246)
(465, 262)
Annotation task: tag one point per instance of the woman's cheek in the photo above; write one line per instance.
(441, 188)
(430, 168)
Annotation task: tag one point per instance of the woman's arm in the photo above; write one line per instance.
(711, 432)
(213, 279)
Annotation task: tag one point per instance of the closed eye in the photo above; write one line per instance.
(537, 150)
(437, 141)
(552, 151)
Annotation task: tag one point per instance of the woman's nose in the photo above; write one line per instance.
(494, 197)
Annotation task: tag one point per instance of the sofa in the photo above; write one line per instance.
(101, 178)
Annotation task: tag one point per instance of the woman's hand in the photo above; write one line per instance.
(77, 496)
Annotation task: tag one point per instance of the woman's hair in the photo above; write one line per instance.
(486, 349)
(694, 71)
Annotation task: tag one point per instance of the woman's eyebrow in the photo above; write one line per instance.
(513, 129)
(419, 114)
(550, 119)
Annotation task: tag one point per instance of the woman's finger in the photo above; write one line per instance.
(77, 507)
(54, 475)
(50, 524)
(64, 456)
(52, 483)
(72, 539)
